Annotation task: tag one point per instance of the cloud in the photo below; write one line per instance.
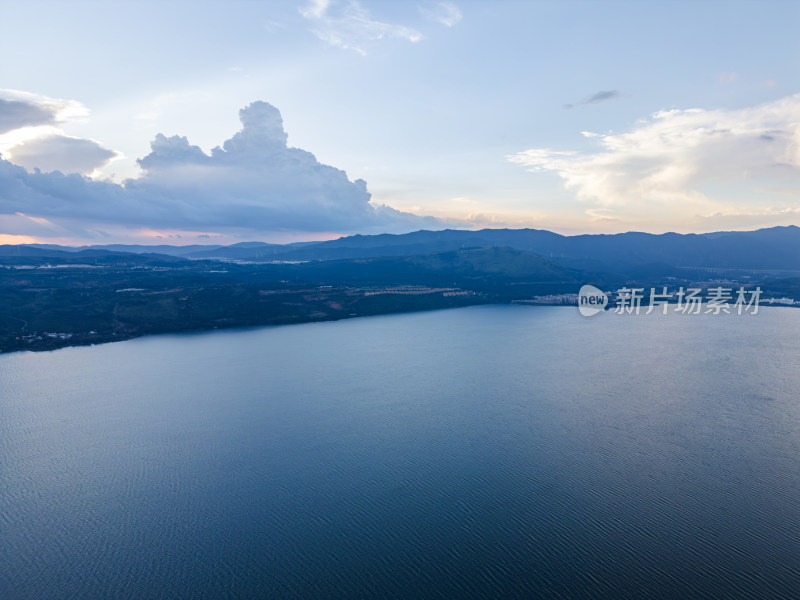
(596, 98)
(57, 152)
(29, 135)
(445, 13)
(725, 78)
(315, 9)
(350, 26)
(253, 184)
(602, 96)
(15, 114)
(23, 109)
(675, 161)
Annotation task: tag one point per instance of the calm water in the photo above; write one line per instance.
(486, 452)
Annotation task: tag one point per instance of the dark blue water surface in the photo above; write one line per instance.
(485, 452)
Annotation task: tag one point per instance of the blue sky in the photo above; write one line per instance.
(577, 117)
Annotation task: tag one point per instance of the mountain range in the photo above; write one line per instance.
(772, 249)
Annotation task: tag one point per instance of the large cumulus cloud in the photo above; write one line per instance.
(255, 182)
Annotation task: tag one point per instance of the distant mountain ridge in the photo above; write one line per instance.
(775, 248)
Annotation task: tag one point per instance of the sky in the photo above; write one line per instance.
(217, 122)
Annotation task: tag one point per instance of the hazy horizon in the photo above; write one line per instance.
(179, 243)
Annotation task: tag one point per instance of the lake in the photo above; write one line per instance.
(481, 452)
